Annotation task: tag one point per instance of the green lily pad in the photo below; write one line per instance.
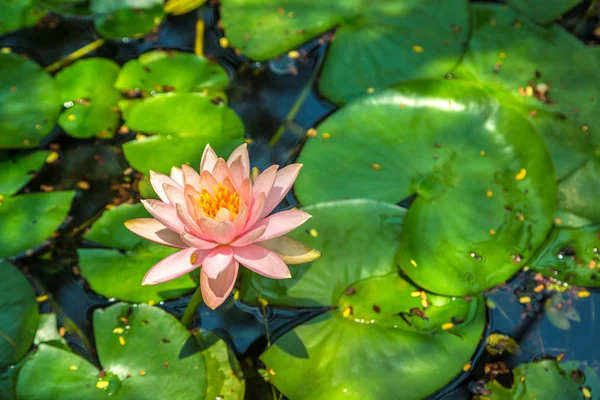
(17, 14)
(377, 324)
(86, 88)
(578, 193)
(167, 71)
(18, 315)
(183, 123)
(118, 19)
(541, 380)
(560, 311)
(542, 11)
(30, 103)
(507, 49)
(376, 44)
(113, 273)
(483, 177)
(67, 7)
(132, 371)
(17, 171)
(591, 381)
(29, 219)
(571, 255)
(109, 230)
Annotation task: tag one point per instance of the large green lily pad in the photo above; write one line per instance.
(183, 123)
(543, 11)
(118, 19)
(167, 71)
(113, 273)
(540, 380)
(579, 192)
(18, 170)
(571, 255)
(17, 14)
(483, 177)
(86, 88)
(146, 353)
(508, 49)
(30, 103)
(376, 43)
(18, 315)
(377, 323)
(29, 219)
(224, 375)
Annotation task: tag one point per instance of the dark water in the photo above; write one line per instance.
(262, 95)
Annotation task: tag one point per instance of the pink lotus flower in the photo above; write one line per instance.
(220, 218)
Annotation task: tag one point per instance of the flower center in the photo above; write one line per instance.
(222, 198)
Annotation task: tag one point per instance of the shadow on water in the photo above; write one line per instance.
(262, 95)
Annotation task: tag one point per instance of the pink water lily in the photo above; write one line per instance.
(220, 218)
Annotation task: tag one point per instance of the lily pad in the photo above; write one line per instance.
(86, 89)
(483, 177)
(47, 332)
(17, 14)
(542, 11)
(183, 123)
(29, 219)
(18, 315)
(30, 103)
(508, 49)
(67, 7)
(376, 44)
(18, 170)
(124, 334)
(377, 321)
(113, 273)
(118, 19)
(541, 380)
(167, 71)
(571, 255)
(578, 193)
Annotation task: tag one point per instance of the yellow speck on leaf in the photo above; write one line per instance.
(72, 117)
(102, 384)
(413, 263)
(263, 302)
(467, 367)
(583, 294)
(593, 264)
(312, 132)
(447, 325)
(62, 331)
(151, 303)
(347, 312)
(587, 393)
(1, 197)
(521, 175)
(42, 298)
(522, 378)
(376, 166)
(525, 300)
(502, 55)
(224, 42)
(492, 232)
(489, 193)
(122, 340)
(326, 135)
(73, 368)
(313, 232)
(558, 221)
(417, 49)
(370, 90)
(271, 372)
(416, 294)
(52, 157)
(293, 54)
(424, 303)
(528, 91)
(118, 331)
(142, 373)
(482, 153)
(291, 14)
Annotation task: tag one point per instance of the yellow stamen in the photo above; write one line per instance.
(221, 198)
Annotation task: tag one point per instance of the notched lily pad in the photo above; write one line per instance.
(18, 14)
(30, 102)
(571, 255)
(578, 194)
(86, 90)
(376, 44)
(18, 170)
(483, 161)
(118, 19)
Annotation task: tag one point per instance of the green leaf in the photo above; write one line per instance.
(357, 240)
(591, 381)
(370, 351)
(114, 274)
(376, 44)
(578, 193)
(166, 71)
(67, 7)
(30, 102)
(571, 255)
(543, 11)
(183, 123)
(86, 87)
(173, 369)
(18, 170)
(109, 230)
(507, 49)
(457, 149)
(18, 315)
(17, 14)
(118, 19)
(29, 219)
(541, 380)
(47, 332)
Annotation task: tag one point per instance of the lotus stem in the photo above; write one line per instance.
(188, 314)
(88, 48)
